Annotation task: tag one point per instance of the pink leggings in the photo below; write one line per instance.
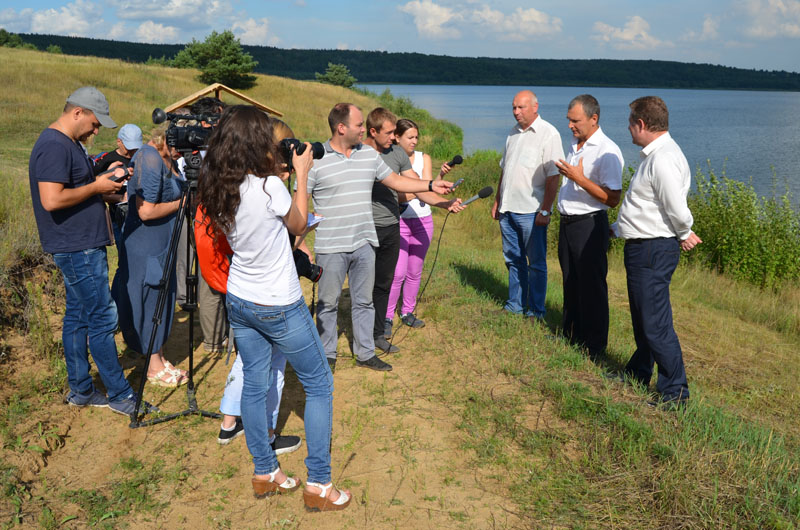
(415, 238)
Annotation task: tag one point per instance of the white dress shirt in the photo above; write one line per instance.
(529, 157)
(602, 164)
(655, 205)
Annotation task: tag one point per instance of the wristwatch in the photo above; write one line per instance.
(430, 185)
(544, 213)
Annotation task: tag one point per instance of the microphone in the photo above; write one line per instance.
(455, 161)
(485, 192)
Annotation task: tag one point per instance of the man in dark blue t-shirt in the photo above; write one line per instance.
(74, 227)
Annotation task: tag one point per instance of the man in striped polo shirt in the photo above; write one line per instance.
(340, 184)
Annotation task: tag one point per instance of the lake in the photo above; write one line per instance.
(749, 135)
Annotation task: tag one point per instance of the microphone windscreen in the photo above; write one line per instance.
(485, 192)
(456, 160)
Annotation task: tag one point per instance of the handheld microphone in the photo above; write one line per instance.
(485, 192)
(455, 161)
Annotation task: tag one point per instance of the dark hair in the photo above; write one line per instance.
(207, 106)
(241, 144)
(340, 113)
(404, 124)
(377, 117)
(652, 111)
(588, 103)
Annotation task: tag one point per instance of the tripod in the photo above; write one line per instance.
(185, 214)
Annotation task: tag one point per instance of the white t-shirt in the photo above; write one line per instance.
(417, 208)
(262, 269)
(602, 164)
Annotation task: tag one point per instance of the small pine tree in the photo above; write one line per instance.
(336, 74)
(220, 59)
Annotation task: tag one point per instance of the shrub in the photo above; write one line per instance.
(54, 48)
(748, 237)
(336, 74)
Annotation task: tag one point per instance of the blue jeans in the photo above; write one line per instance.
(231, 402)
(290, 328)
(525, 253)
(92, 314)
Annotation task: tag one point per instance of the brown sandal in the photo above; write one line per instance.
(266, 487)
(321, 503)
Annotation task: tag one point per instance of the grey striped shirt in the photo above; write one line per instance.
(341, 190)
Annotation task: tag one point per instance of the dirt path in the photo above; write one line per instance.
(396, 445)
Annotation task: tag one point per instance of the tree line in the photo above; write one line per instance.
(418, 68)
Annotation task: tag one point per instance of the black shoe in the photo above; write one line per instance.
(285, 444)
(226, 437)
(332, 364)
(411, 321)
(375, 364)
(387, 329)
(383, 345)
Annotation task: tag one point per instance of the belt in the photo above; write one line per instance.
(566, 219)
(645, 240)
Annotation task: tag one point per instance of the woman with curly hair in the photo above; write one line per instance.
(245, 200)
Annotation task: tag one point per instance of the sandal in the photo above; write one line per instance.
(167, 379)
(177, 371)
(321, 503)
(265, 487)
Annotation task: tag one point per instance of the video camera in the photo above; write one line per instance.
(187, 139)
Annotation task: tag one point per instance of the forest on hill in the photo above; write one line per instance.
(418, 68)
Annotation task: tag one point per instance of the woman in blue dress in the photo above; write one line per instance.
(153, 197)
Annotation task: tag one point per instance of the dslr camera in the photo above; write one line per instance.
(187, 139)
(287, 145)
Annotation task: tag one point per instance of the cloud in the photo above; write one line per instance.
(521, 25)
(710, 31)
(184, 13)
(254, 32)
(772, 18)
(77, 19)
(342, 46)
(154, 32)
(635, 35)
(16, 22)
(432, 20)
(117, 32)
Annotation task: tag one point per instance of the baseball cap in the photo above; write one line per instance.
(131, 136)
(88, 97)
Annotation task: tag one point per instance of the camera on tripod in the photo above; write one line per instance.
(187, 139)
(287, 145)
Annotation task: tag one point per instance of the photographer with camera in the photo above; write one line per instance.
(213, 256)
(248, 203)
(154, 195)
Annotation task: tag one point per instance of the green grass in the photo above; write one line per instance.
(535, 420)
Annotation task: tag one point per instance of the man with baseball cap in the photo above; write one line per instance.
(129, 140)
(74, 227)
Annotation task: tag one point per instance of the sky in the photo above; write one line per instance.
(759, 34)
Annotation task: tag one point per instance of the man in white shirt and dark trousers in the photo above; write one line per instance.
(525, 194)
(656, 223)
(593, 183)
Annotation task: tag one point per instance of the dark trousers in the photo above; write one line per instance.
(649, 264)
(385, 262)
(582, 248)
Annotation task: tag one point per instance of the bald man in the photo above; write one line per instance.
(528, 185)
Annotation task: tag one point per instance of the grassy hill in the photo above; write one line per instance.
(486, 420)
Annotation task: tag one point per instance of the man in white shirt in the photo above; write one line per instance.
(656, 223)
(593, 183)
(525, 194)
